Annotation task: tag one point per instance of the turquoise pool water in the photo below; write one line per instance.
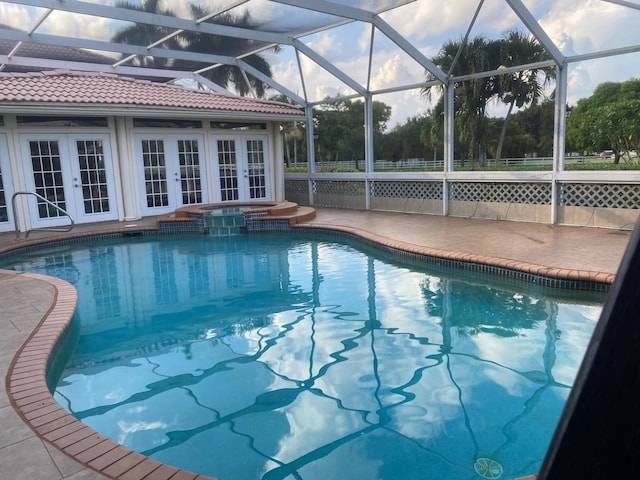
(276, 357)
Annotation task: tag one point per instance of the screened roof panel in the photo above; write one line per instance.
(297, 18)
(267, 16)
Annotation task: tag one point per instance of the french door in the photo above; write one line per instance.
(171, 172)
(6, 190)
(73, 172)
(242, 167)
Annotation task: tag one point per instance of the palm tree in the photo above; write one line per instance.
(471, 97)
(524, 87)
(224, 75)
(146, 33)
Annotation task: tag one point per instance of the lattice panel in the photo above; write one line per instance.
(607, 195)
(338, 187)
(527, 193)
(296, 186)
(429, 190)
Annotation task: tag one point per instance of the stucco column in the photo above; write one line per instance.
(128, 176)
(277, 163)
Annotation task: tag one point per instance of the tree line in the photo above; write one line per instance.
(609, 119)
(338, 125)
(340, 135)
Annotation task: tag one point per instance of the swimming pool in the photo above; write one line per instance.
(284, 357)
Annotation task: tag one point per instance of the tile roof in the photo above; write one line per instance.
(73, 88)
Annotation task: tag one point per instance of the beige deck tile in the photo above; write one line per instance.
(12, 429)
(27, 460)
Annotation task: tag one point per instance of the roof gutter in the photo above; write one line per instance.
(84, 109)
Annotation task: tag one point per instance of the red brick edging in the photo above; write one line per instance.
(26, 387)
(532, 268)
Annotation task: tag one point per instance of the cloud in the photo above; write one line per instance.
(581, 27)
(423, 20)
(18, 15)
(80, 26)
(395, 71)
(326, 44)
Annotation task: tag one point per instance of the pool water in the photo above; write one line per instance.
(283, 357)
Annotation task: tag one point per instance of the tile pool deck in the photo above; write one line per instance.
(26, 299)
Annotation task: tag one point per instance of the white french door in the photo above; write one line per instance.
(171, 172)
(6, 188)
(242, 167)
(74, 172)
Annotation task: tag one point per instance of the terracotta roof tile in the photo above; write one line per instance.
(101, 88)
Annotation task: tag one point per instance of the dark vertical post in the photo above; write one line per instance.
(598, 436)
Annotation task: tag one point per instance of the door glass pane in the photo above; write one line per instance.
(228, 167)
(255, 161)
(93, 176)
(190, 172)
(47, 176)
(155, 173)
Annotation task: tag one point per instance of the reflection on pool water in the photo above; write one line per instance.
(293, 358)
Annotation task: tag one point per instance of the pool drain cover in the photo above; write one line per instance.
(487, 468)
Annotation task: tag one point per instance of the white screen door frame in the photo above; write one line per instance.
(171, 172)
(242, 167)
(6, 187)
(75, 172)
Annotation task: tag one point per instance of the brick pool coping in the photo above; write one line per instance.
(600, 281)
(26, 383)
(29, 395)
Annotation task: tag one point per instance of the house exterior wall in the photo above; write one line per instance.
(121, 142)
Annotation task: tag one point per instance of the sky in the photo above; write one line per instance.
(575, 26)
